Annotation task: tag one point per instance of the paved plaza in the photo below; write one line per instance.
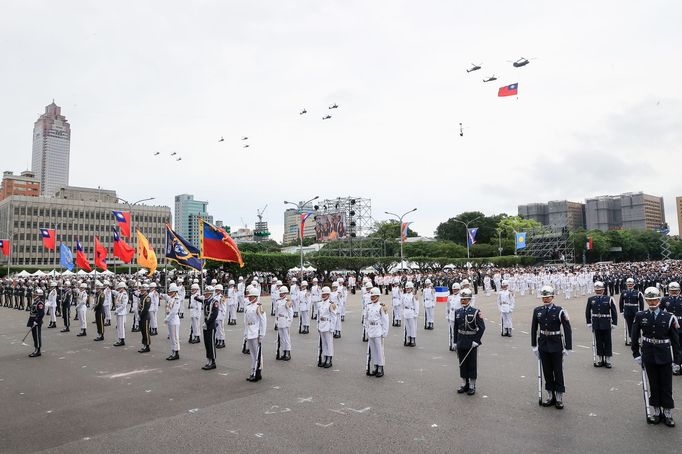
(85, 396)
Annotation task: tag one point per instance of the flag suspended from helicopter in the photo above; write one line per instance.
(509, 90)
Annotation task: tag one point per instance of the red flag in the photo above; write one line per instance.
(304, 216)
(122, 250)
(216, 244)
(100, 254)
(48, 236)
(4, 246)
(589, 243)
(509, 90)
(123, 219)
(81, 259)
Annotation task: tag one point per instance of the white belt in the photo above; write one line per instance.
(551, 333)
(655, 341)
(601, 315)
(460, 331)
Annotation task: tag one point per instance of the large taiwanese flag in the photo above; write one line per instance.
(217, 244)
(509, 90)
(123, 219)
(122, 250)
(100, 254)
(48, 236)
(4, 247)
(81, 258)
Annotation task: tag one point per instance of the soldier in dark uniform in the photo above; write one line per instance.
(673, 304)
(211, 308)
(35, 321)
(660, 348)
(99, 310)
(143, 304)
(19, 296)
(601, 316)
(631, 301)
(549, 346)
(469, 328)
(66, 298)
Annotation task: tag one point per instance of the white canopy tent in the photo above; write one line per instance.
(81, 273)
(24, 273)
(68, 273)
(38, 274)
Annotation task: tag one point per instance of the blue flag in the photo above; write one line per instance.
(65, 257)
(520, 240)
(471, 236)
(182, 251)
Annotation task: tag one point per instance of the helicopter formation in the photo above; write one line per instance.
(179, 158)
(521, 62)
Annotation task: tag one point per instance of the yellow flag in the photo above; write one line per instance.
(145, 254)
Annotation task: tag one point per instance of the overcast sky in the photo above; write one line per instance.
(599, 110)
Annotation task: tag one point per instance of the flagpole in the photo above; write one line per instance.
(11, 240)
(400, 227)
(466, 226)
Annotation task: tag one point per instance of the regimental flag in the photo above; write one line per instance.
(403, 230)
(4, 246)
(100, 254)
(122, 250)
(217, 244)
(65, 256)
(589, 243)
(146, 256)
(181, 251)
(304, 216)
(123, 219)
(442, 294)
(48, 236)
(471, 235)
(81, 258)
(509, 90)
(520, 242)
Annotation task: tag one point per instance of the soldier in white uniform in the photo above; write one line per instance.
(153, 308)
(429, 299)
(172, 320)
(505, 304)
(343, 297)
(366, 301)
(410, 312)
(487, 284)
(284, 312)
(51, 305)
(450, 307)
(121, 311)
(241, 302)
(294, 295)
(181, 297)
(82, 308)
(326, 322)
(336, 299)
(376, 325)
(231, 304)
(107, 303)
(274, 296)
(194, 315)
(220, 321)
(316, 297)
(396, 302)
(304, 303)
(135, 309)
(255, 325)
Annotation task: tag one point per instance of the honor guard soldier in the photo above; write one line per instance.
(144, 304)
(366, 298)
(231, 303)
(121, 311)
(98, 308)
(429, 298)
(35, 321)
(326, 321)
(376, 326)
(316, 297)
(255, 326)
(631, 301)
(222, 313)
(82, 308)
(181, 296)
(294, 295)
(673, 304)
(505, 304)
(396, 301)
(134, 298)
(194, 315)
(211, 308)
(304, 303)
(601, 317)
(241, 301)
(284, 313)
(450, 307)
(410, 306)
(172, 320)
(658, 331)
(549, 346)
(336, 298)
(67, 299)
(153, 309)
(107, 303)
(469, 328)
(51, 305)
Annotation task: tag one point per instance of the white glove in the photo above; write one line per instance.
(454, 346)
(537, 354)
(589, 325)
(565, 352)
(613, 326)
(474, 344)
(638, 360)
(204, 326)
(260, 339)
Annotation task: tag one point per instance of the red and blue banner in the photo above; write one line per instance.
(48, 236)
(403, 230)
(122, 250)
(123, 219)
(471, 235)
(4, 247)
(304, 216)
(217, 244)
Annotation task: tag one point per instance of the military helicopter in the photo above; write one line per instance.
(474, 67)
(334, 106)
(246, 146)
(326, 117)
(179, 159)
(461, 130)
(303, 112)
(157, 153)
(490, 79)
(222, 139)
(174, 153)
(245, 138)
(520, 62)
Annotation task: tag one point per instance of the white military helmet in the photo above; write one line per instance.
(120, 285)
(304, 283)
(231, 282)
(218, 287)
(254, 292)
(427, 282)
(214, 281)
(39, 291)
(652, 293)
(465, 282)
(547, 290)
(53, 284)
(283, 289)
(98, 284)
(152, 285)
(195, 281)
(194, 287)
(314, 279)
(456, 286)
(409, 284)
(180, 280)
(107, 283)
(376, 291)
(630, 281)
(504, 282)
(326, 290)
(293, 279)
(340, 280)
(279, 282)
(465, 294)
(83, 285)
(598, 285)
(241, 278)
(209, 289)
(67, 283)
(368, 284)
(254, 282)
(674, 286)
(145, 286)
(172, 288)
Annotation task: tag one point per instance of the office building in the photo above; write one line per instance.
(25, 184)
(625, 211)
(292, 224)
(187, 214)
(51, 149)
(556, 213)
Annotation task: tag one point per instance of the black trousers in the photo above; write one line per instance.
(602, 339)
(36, 332)
(99, 319)
(144, 330)
(66, 314)
(660, 385)
(629, 320)
(209, 343)
(553, 370)
(468, 369)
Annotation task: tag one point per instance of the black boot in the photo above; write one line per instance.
(120, 343)
(82, 333)
(287, 355)
(328, 364)
(413, 341)
(144, 349)
(252, 377)
(258, 375)
(65, 330)
(373, 372)
(380, 372)
(52, 325)
(99, 338)
(549, 401)
(210, 365)
(464, 388)
(35, 353)
(174, 356)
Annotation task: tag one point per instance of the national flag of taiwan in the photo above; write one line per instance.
(123, 219)
(4, 247)
(589, 243)
(216, 244)
(48, 236)
(304, 216)
(100, 254)
(471, 236)
(509, 90)
(403, 230)
(81, 258)
(122, 250)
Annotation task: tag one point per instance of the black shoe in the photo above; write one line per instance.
(373, 372)
(320, 363)
(51, 325)
(559, 405)
(34, 354)
(135, 330)
(607, 365)
(549, 402)
(343, 318)
(653, 419)
(144, 349)
(471, 391)
(598, 364)
(452, 349)
(99, 338)
(678, 372)
(380, 372)
(462, 389)
(258, 375)
(174, 356)
(667, 421)
(220, 344)
(65, 330)
(295, 314)
(120, 343)
(628, 343)
(287, 356)
(209, 366)
(81, 334)
(252, 377)
(328, 364)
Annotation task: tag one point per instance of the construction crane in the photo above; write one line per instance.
(260, 213)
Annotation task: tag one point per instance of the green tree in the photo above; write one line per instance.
(511, 224)
(389, 230)
(452, 230)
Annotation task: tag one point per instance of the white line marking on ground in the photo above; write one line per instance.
(128, 374)
(323, 425)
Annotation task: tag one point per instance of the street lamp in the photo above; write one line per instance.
(400, 224)
(299, 208)
(466, 225)
(130, 207)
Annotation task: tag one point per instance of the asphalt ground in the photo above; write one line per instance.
(85, 396)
